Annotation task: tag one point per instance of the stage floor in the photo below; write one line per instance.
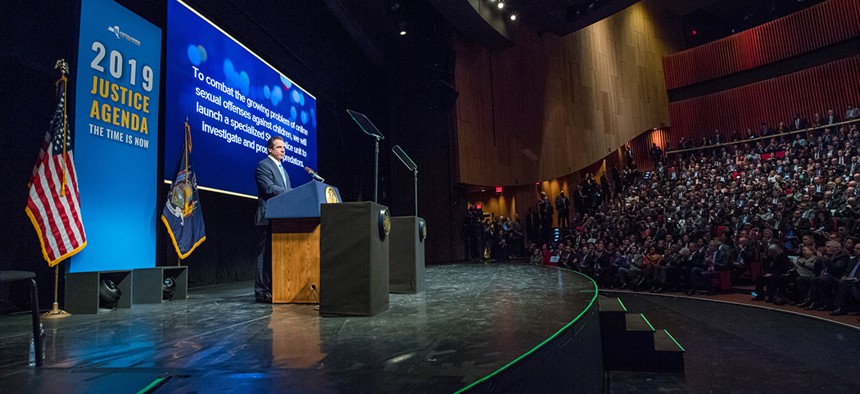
(740, 349)
(472, 320)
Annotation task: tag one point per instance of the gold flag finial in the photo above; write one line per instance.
(62, 65)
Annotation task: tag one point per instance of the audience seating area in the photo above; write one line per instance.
(776, 212)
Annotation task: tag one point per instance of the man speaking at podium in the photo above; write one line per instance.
(272, 180)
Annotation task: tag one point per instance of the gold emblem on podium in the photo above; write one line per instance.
(422, 230)
(384, 222)
(331, 195)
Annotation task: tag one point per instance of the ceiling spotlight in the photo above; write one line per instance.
(402, 26)
(403, 32)
(501, 4)
(513, 16)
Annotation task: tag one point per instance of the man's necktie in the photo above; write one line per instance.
(283, 175)
(853, 273)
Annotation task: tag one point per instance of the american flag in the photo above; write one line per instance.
(53, 205)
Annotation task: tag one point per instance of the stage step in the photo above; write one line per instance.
(612, 314)
(638, 323)
(611, 304)
(632, 343)
(668, 353)
(665, 342)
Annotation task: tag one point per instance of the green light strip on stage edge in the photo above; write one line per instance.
(622, 304)
(674, 340)
(646, 321)
(540, 345)
(152, 386)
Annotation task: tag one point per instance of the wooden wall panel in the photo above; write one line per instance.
(813, 28)
(550, 105)
(818, 89)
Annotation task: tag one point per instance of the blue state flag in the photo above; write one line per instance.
(182, 213)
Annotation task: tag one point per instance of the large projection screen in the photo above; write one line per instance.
(233, 101)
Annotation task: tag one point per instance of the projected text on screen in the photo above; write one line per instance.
(234, 102)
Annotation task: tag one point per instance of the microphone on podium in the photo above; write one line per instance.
(314, 175)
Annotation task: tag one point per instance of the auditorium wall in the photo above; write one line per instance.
(550, 106)
(803, 63)
(817, 27)
(818, 89)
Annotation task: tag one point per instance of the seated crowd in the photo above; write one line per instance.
(780, 211)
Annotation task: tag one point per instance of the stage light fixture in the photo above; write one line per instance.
(397, 9)
(501, 4)
(514, 16)
(109, 294)
(168, 288)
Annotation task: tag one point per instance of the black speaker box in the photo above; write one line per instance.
(353, 259)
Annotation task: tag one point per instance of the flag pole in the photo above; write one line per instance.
(187, 148)
(56, 312)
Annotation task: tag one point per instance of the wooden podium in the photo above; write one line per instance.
(294, 218)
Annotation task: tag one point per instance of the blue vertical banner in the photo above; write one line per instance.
(116, 129)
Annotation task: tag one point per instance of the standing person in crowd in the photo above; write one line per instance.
(545, 210)
(605, 189)
(533, 226)
(471, 233)
(562, 205)
(852, 112)
(517, 236)
(656, 153)
(616, 181)
(799, 123)
(579, 200)
(831, 119)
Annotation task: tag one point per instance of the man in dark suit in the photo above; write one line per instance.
(848, 287)
(768, 285)
(716, 259)
(272, 180)
(831, 118)
(545, 211)
(852, 112)
(824, 285)
(562, 205)
(798, 123)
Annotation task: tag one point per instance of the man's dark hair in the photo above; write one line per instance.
(271, 142)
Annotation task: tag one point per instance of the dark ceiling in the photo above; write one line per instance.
(375, 24)
(715, 17)
(723, 18)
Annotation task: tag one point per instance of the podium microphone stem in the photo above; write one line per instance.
(376, 172)
(415, 173)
